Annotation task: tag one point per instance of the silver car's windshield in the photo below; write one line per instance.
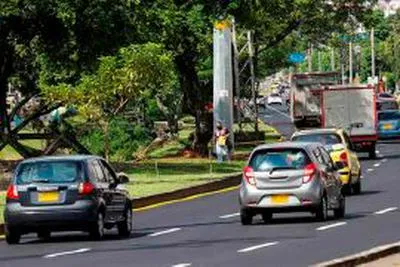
(48, 172)
(269, 160)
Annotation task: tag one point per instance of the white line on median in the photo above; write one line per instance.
(386, 210)
(71, 252)
(182, 265)
(370, 170)
(227, 216)
(257, 247)
(377, 164)
(326, 227)
(165, 232)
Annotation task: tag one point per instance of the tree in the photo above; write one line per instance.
(136, 73)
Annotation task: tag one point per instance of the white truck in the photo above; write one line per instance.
(305, 106)
(353, 108)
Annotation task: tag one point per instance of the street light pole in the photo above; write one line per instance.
(373, 53)
(350, 63)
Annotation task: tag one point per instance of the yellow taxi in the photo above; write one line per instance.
(338, 143)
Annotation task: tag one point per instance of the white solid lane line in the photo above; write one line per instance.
(326, 227)
(165, 232)
(386, 210)
(227, 216)
(182, 265)
(257, 247)
(370, 170)
(71, 252)
(377, 164)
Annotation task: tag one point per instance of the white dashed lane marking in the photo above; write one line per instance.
(384, 160)
(64, 253)
(244, 250)
(377, 164)
(370, 170)
(227, 216)
(329, 226)
(386, 210)
(182, 265)
(172, 230)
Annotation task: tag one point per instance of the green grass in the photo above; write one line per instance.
(9, 153)
(164, 175)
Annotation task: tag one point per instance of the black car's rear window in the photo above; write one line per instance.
(324, 139)
(386, 116)
(286, 158)
(49, 172)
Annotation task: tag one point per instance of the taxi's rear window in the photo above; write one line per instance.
(286, 158)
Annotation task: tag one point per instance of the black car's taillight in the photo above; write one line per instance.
(86, 188)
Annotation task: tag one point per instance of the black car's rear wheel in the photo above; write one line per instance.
(96, 230)
(246, 217)
(13, 236)
(125, 226)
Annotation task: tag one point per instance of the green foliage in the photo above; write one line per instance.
(125, 139)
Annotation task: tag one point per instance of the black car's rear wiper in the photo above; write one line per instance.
(281, 168)
(40, 180)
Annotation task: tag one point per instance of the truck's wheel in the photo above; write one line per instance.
(372, 153)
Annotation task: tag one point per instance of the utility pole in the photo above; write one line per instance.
(253, 78)
(373, 53)
(236, 73)
(350, 63)
(309, 57)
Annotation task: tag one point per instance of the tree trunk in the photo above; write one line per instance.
(5, 71)
(194, 99)
(106, 132)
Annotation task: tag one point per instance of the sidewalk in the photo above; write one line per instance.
(390, 261)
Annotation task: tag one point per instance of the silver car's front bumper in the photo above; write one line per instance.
(304, 197)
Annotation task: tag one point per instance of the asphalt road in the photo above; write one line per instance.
(207, 232)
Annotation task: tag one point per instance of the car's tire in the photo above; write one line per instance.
(97, 228)
(321, 214)
(266, 216)
(246, 217)
(346, 189)
(125, 226)
(341, 210)
(356, 188)
(372, 153)
(44, 234)
(13, 236)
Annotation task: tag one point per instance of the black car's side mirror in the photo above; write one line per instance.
(123, 178)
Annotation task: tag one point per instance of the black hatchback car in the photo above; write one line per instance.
(66, 193)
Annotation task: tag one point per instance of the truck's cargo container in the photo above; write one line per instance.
(305, 106)
(352, 108)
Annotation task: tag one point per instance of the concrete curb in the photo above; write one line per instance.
(363, 257)
(181, 194)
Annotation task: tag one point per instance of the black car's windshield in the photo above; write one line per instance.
(273, 159)
(324, 139)
(387, 116)
(49, 172)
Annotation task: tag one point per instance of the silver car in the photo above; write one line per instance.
(288, 177)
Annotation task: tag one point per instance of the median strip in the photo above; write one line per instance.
(385, 210)
(326, 227)
(165, 232)
(257, 247)
(64, 253)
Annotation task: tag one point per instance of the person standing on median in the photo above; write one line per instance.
(221, 140)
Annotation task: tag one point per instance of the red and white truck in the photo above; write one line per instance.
(353, 108)
(305, 106)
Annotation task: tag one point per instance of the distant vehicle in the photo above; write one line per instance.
(385, 95)
(305, 100)
(337, 142)
(66, 193)
(389, 124)
(386, 104)
(274, 99)
(351, 107)
(290, 177)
